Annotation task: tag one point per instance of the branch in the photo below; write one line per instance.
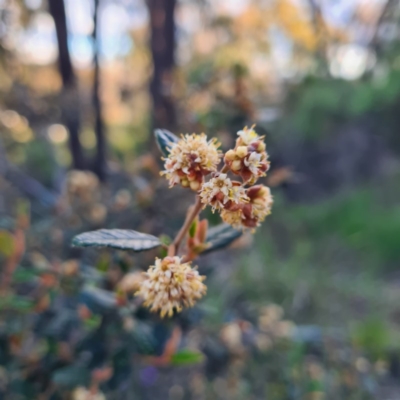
(374, 43)
(174, 247)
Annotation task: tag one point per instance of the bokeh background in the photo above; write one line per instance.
(308, 307)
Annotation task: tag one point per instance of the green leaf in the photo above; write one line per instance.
(16, 303)
(372, 336)
(185, 357)
(23, 207)
(103, 264)
(6, 243)
(164, 140)
(117, 239)
(166, 241)
(315, 386)
(193, 228)
(22, 275)
(221, 236)
(93, 322)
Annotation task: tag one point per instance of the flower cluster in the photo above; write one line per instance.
(253, 212)
(193, 157)
(190, 159)
(248, 159)
(239, 205)
(170, 285)
(220, 192)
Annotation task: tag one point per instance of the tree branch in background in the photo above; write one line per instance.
(70, 96)
(99, 127)
(320, 33)
(375, 44)
(162, 44)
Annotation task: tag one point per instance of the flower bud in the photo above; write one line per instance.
(195, 185)
(184, 182)
(254, 191)
(261, 147)
(236, 165)
(263, 191)
(191, 176)
(230, 155)
(247, 210)
(241, 151)
(259, 201)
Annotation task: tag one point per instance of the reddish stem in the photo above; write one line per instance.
(174, 246)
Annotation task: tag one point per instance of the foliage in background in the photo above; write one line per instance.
(329, 255)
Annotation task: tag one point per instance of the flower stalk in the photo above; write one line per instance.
(174, 246)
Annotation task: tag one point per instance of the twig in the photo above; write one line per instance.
(225, 169)
(174, 247)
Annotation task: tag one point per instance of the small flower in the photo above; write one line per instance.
(190, 159)
(253, 163)
(247, 136)
(220, 192)
(171, 285)
(234, 218)
(261, 202)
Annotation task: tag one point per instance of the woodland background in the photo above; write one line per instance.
(83, 84)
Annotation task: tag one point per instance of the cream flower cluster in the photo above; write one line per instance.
(253, 212)
(241, 204)
(220, 192)
(191, 159)
(248, 159)
(171, 285)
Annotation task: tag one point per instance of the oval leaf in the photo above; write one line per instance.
(221, 236)
(117, 239)
(164, 140)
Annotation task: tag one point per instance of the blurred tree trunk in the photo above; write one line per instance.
(99, 166)
(70, 104)
(386, 11)
(322, 36)
(162, 44)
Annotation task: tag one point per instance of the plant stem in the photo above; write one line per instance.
(174, 247)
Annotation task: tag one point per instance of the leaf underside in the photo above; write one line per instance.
(164, 140)
(117, 239)
(221, 236)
